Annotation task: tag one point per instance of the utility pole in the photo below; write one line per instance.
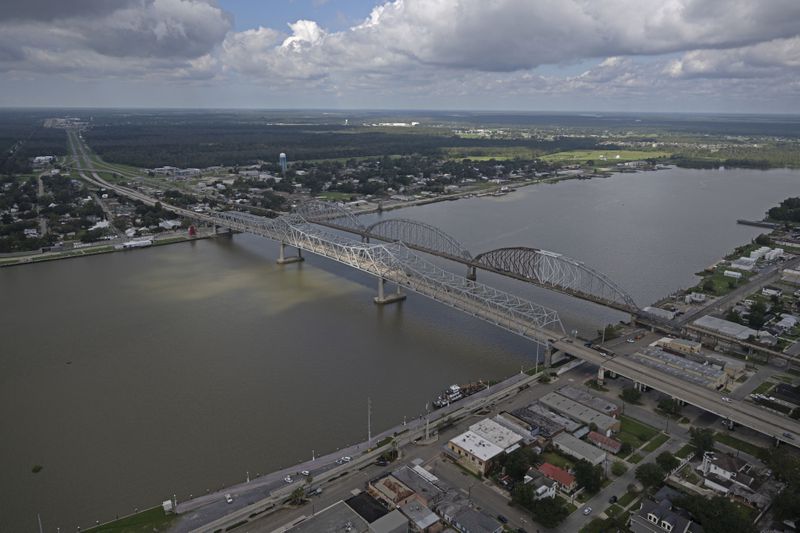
(369, 421)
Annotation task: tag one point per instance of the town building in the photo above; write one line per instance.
(497, 434)
(567, 424)
(682, 367)
(543, 487)
(790, 276)
(660, 517)
(682, 346)
(474, 452)
(538, 424)
(695, 298)
(579, 449)
(421, 518)
(334, 519)
(604, 443)
(566, 481)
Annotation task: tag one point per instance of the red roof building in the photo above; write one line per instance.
(606, 443)
(565, 480)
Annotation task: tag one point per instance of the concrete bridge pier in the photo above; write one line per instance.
(284, 260)
(472, 274)
(382, 298)
(548, 356)
(601, 375)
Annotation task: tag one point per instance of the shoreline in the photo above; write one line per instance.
(45, 257)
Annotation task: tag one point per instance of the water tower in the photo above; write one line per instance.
(282, 159)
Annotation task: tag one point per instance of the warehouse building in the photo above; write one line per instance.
(579, 449)
(580, 413)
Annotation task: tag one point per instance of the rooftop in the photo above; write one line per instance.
(558, 474)
(367, 507)
(495, 433)
(477, 446)
(589, 400)
(334, 519)
(577, 411)
(731, 329)
(419, 514)
(581, 449)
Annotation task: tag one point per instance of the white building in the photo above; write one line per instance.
(473, 451)
(744, 263)
(790, 276)
(732, 274)
(498, 435)
(579, 449)
(695, 298)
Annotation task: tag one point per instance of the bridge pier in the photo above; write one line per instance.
(601, 375)
(284, 260)
(382, 298)
(472, 273)
(548, 356)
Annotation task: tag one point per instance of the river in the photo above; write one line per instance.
(133, 376)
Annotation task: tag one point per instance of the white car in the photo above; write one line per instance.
(229, 498)
(346, 459)
(288, 479)
(726, 399)
(587, 511)
(305, 473)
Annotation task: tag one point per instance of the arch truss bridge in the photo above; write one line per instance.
(543, 268)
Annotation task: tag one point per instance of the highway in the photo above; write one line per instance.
(501, 309)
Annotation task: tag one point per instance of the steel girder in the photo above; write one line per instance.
(420, 235)
(555, 271)
(330, 214)
(397, 263)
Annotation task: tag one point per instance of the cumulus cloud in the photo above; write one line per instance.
(132, 37)
(768, 59)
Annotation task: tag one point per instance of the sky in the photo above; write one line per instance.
(732, 56)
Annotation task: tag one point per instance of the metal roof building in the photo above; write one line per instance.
(580, 413)
(579, 449)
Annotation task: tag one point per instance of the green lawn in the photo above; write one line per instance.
(582, 156)
(570, 507)
(149, 521)
(764, 388)
(635, 458)
(627, 498)
(722, 284)
(614, 510)
(336, 196)
(739, 444)
(656, 441)
(685, 451)
(634, 432)
(558, 460)
(494, 152)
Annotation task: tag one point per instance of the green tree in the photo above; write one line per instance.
(708, 285)
(733, 316)
(669, 406)
(763, 240)
(630, 395)
(588, 476)
(717, 514)
(618, 468)
(758, 315)
(667, 461)
(518, 462)
(298, 496)
(650, 475)
(702, 440)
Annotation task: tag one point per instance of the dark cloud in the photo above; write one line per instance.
(48, 10)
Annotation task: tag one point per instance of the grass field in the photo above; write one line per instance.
(764, 388)
(739, 444)
(656, 441)
(685, 451)
(145, 522)
(635, 458)
(634, 432)
(627, 498)
(558, 460)
(335, 196)
(486, 153)
(599, 157)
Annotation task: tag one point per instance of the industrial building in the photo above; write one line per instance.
(725, 327)
(659, 313)
(539, 424)
(604, 443)
(790, 276)
(588, 399)
(579, 449)
(702, 374)
(580, 413)
(498, 435)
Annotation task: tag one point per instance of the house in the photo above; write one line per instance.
(659, 517)
(722, 471)
(604, 443)
(695, 298)
(566, 481)
(468, 520)
(543, 487)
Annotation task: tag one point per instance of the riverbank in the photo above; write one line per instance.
(28, 259)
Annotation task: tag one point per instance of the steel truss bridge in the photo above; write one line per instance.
(395, 261)
(543, 268)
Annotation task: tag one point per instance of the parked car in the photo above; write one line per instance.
(502, 519)
(612, 499)
(229, 498)
(346, 459)
(288, 479)
(587, 511)
(305, 473)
